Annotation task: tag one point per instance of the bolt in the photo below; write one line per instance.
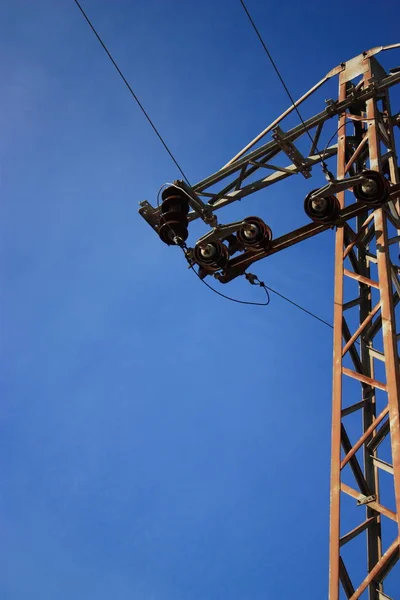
(250, 231)
(319, 204)
(208, 251)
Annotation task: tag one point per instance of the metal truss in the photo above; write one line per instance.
(365, 511)
(241, 176)
(367, 288)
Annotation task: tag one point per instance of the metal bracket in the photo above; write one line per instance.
(331, 107)
(220, 232)
(199, 207)
(202, 210)
(149, 214)
(366, 500)
(383, 596)
(337, 185)
(291, 151)
(396, 120)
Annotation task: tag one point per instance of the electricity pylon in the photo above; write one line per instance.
(363, 203)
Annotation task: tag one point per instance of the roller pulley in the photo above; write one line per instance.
(374, 190)
(322, 210)
(173, 225)
(255, 234)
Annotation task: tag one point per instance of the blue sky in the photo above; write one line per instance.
(157, 440)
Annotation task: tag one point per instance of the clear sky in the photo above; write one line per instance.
(157, 442)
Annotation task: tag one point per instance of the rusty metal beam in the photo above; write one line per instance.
(364, 437)
(361, 328)
(363, 499)
(368, 244)
(390, 556)
(345, 579)
(356, 531)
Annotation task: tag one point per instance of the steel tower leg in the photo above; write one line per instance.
(365, 507)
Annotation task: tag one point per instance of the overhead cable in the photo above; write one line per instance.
(131, 90)
(324, 166)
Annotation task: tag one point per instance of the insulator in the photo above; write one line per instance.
(174, 221)
(255, 234)
(374, 190)
(212, 256)
(322, 210)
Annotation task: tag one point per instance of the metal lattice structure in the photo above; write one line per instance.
(364, 201)
(363, 256)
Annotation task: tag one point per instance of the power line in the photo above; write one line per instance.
(267, 289)
(339, 128)
(131, 90)
(257, 282)
(280, 77)
(261, 284)
(308, 312)
(254, 280)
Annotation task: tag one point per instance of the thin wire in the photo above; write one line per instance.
(234, 299)
(280, 76)
(184, 249)
(169, 152)
(308, 312)
(331, 138)
(265, 287)
(257, 282)
(337, 131)
(131, 90)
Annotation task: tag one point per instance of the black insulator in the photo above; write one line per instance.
(255, 235)
(173, 225)
(374, 190)
(212, 255)
(322, 210)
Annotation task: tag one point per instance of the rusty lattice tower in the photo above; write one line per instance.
(362, 201)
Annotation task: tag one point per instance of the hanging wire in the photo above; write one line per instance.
(308, 312)
(257, 282)
(158, 134)
(252, 278)
(323, 164)
(337, 131)
(170, 154)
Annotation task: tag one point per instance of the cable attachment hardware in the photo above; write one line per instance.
(328, 174)
(254, 280)
(251, 278)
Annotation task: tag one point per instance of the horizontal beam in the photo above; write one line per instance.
(361, 278)
(351, 303)
(293, 134)
(386, 512)
(364, 379)
(353, 408)
(251, 188)
(238, 265)
(382, 464)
